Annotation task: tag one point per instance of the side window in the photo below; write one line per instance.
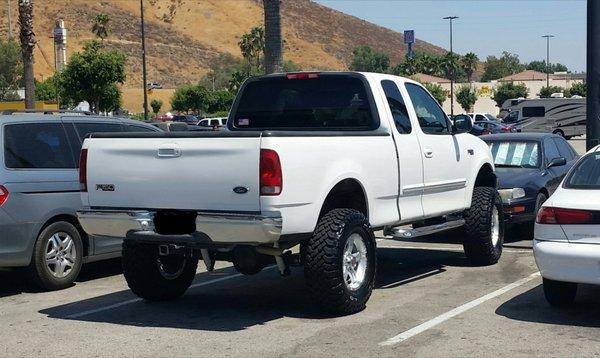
(134, 128)
(203, 123)
(550, 149)
(479, 117)
(37, 146)
(534, 111)
(431, 117)
(214, 122)
(397, 106)
(83, 129)
(564, 148)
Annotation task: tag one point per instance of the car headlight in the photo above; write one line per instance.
(510, 194)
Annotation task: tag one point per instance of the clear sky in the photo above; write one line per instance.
(486, 27)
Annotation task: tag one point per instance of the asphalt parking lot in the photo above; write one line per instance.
(428, 302)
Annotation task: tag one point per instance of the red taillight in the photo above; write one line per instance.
(271, 178)
(3, 195)
(560, 216)
(506, 129)
(83, 170)
(302, 75)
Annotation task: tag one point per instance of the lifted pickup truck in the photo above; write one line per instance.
(316, 159)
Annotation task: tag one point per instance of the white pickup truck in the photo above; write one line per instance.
(319, 160)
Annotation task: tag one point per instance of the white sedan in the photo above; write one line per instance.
(566, 243)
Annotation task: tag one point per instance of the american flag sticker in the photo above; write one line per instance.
(243, 122)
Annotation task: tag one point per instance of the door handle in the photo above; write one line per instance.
(428, 153)
(169, 151)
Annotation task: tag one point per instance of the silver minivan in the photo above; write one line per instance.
(39, 194)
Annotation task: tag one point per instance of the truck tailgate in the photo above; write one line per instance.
(170, 172)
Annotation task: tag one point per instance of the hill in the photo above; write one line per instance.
(183, 36)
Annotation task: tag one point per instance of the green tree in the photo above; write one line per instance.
(578, 89)
(466, 97)
(436, 91)
(11, 69)
(28, 41)
(191, 98)
(221, 69)
(252, 44)
(540, 66)
(156, 104)
(48, 89)
(219, 101)
(406, 68)
(236, 81)
(273, 39)
(92, 76)
(509, 90)
(111, 99)
(469, 64)
(367, 60)
(546, 92)
(291, 66)
(100, 26)
(506, 65)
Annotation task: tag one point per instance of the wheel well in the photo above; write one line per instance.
(545, 192)
(486, 176)
(73, 221)
(346, 194)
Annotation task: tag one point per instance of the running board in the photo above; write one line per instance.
(405, 233)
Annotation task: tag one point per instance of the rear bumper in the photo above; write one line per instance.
(568, 262)
(211, 228)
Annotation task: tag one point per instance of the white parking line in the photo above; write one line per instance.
(455, 312)
(134, 300)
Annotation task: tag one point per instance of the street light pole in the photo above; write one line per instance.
(548, 59)
(593, 74)
(451, 67)
(144, 62)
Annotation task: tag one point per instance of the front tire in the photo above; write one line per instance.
(558, 293)
(154, 277)
(57, 256)
(341, 262)
(484, 227)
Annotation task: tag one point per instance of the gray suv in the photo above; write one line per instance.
(39, 194)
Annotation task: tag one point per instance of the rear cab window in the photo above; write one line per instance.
(306, 101)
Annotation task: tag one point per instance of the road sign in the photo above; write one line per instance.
(409, 36)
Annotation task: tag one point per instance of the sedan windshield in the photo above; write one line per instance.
(585, 174)
(519, 154)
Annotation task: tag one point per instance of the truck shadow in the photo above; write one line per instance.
(245, 301)
(531, 306)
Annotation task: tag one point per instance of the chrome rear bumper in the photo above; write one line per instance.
(218, 228)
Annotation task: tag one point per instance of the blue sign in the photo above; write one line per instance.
(409, 36)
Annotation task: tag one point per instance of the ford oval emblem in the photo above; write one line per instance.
(240, 190)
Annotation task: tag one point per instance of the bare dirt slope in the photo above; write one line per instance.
(183, 36)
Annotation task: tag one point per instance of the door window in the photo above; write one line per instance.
(429, 113)
(37, 146)
(479, 117)
(564, 149)
(397, 106)
(551, 150)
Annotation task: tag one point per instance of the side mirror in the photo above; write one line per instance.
(461, 125)
(557, 162)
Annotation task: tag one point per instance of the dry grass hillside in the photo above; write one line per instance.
(183, 36)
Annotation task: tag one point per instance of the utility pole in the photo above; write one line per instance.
(593, 74)
(548, 67)
(9, 13)
(144, 62)
(451, 67)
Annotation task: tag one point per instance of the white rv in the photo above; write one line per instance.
(562, 116)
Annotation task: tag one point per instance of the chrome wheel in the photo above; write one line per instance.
(354, 266)
(495, 230)
(61, 254)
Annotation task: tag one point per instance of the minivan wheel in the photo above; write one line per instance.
(57, 256)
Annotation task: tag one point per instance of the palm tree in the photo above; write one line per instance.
(273, 38)
(100, 26)
(27, 38)
(246, 47)
(469, 64)
(257, 38)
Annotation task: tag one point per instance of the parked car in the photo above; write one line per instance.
(316, 159)
(567, 232)
(211, 122)
(164, 117)
(476, 129)
(495, 127)
(480, 117)
(170, 126)
(529, 167)
(39, 194)
(186, 118)
(154, 85)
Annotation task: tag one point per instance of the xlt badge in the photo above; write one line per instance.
(105, 187)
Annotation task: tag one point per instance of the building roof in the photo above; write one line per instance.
(422, 77)
(528, 75)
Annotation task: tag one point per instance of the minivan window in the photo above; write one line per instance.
(397, 106)
(534, 111)
(301, 102)
(37, 146)
(431, 117)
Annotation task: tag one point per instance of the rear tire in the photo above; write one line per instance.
(484, 227)
(339, 277)
(154, 277)
(558, 293)
(57, 257)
